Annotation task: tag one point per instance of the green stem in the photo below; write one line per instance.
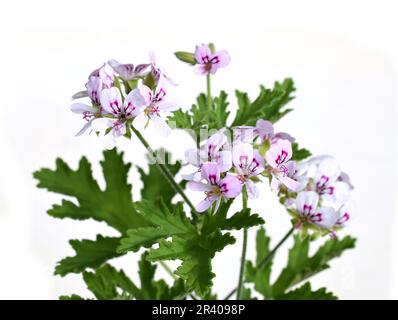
(163, 168)
(244, 249)
(272, 252)
(267, 258)
(209, 102)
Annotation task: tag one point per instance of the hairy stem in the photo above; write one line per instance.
(244, 249)
(267, 258)
(163, 168)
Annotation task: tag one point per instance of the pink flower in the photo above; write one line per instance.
(265, 130)
(327, 184)
(89, 114)
(120, 111)
(106, 75)
(216, 149)
(158, 72)
(127, 71)
(215, 188)
(307, 205)
(159, 102)
(324, 217)
(277, 157)
(209, 63)
(248, 163)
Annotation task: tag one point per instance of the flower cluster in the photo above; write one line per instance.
(119, 93)
(315, 191)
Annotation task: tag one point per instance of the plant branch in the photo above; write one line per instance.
(244, 249)
(209, 100)
(267, 258)
(163, 168)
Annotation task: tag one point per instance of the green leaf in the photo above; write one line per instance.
(261, 276)
(199, 117)
(300, 265)
(196, 254)
(155, 184)
(241, 219)
(113, 205)
(106, 281)
(166, 223)
(299, 154)
(187, 57)
(305, 293)
(89, 254)
(269, 104)
(71, 297)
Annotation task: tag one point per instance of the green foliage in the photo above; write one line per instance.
(194, 248)
(196, 253)
(305, 293)
(113, 205)
(166, 223)
(89, 254)
(108, 283)
(153, 187)
(299, 154)
(269, 104)
(199, 117)
(300, 266)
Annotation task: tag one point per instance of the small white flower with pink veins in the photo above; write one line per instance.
(159, 102)
(116, 112)
(327, 183)
(265, 130)
(208, 62)
(127, 71)
(216, 188)
(325, 217)
(248, 163)
(216, 149)
(282, 170)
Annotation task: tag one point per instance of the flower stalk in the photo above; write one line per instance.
(244, 249)
(163, 168)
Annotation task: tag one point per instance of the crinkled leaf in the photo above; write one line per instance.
(305, 293)
(113, 205)
(89, 254)
(199, 117)
(196, 254)
(300, 265)
(105, 282)
(269, 104)
(241, 219)
(166, 223)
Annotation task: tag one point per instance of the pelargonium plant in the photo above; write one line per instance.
(234, 161)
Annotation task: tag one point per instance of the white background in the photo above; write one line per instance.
(341, 54)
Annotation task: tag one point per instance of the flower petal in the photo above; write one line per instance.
(111, 101)
(307, 202)
(326, 217)
(199, 186)
(80, 94)
(81, 107)
(133, 103)
(211, 172)
(222, 58)
(161, 125)
(230, 186)
(204, 204)
(264, 129)
(252, 190)
(202, 54)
